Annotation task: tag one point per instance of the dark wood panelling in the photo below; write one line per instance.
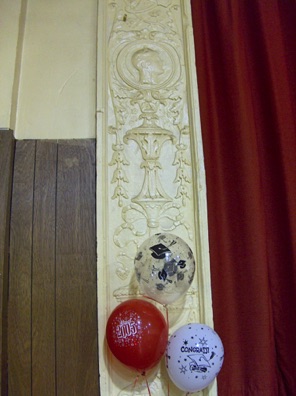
(6, 169)
(43, 270)
(76, 320)
(52, 309)
(20, 275)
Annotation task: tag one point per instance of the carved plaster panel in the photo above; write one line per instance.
(150, 164)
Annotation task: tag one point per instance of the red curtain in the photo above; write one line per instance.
(246, 68)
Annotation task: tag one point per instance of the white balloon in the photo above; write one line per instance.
(194, 356)
(165, 267)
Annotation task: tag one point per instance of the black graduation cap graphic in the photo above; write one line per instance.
(159, 251)
(198, 363)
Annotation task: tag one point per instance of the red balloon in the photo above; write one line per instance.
(137, 334)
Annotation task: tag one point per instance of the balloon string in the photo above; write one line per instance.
(147, 385)
(166, 356)
(135, 382)
(167, 320)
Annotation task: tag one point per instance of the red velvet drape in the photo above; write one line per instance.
(246, 67)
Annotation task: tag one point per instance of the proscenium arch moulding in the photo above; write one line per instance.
(150, 168)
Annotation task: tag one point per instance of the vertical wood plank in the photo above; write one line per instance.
(19, 308)
(43, 271)
(6, 168)
(76, 314)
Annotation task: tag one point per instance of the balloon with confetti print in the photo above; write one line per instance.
(194, 357)
(165, 267)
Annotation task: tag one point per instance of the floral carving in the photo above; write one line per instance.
(182, 161)
(119, 176)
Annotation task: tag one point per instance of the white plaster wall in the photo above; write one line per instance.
(55, 94)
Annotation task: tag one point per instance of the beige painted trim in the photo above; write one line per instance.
(123, 218)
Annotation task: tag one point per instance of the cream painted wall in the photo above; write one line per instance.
(52, 93)
(9, 29)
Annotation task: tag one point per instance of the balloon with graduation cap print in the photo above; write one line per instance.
(165, 267)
